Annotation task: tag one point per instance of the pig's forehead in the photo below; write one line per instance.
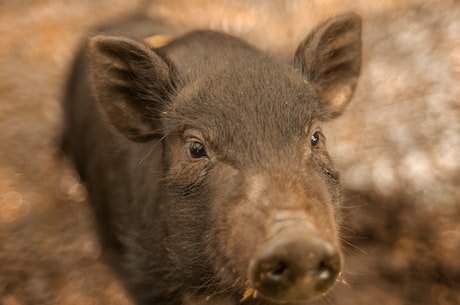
(251, 82)
(251, 103)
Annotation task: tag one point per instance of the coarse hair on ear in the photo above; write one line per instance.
(330, 59)
(131, 84)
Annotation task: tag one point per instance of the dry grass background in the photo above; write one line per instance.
(398, 146)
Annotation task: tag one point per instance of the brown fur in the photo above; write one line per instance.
(172, 224)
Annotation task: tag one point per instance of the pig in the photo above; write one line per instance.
(205, 163)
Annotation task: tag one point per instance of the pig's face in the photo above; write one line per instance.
(247, 159)
(250, 194)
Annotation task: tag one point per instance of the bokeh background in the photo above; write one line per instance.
(398, 145)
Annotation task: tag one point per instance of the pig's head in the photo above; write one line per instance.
(249, 196)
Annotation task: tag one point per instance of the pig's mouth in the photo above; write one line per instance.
(296, 266)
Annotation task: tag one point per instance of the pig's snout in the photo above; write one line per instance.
(295, 266)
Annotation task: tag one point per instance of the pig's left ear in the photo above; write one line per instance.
(131, 83)
(330, 59)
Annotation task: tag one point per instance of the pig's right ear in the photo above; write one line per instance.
(131, 84)
(330, 59)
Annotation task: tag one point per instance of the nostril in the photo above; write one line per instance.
(277, 272)
(324, 270)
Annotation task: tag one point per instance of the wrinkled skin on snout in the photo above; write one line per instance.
(206, 165)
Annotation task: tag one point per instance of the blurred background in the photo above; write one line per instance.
(398, 145)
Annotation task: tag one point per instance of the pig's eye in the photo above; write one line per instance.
(197, 150)
(315, 139)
